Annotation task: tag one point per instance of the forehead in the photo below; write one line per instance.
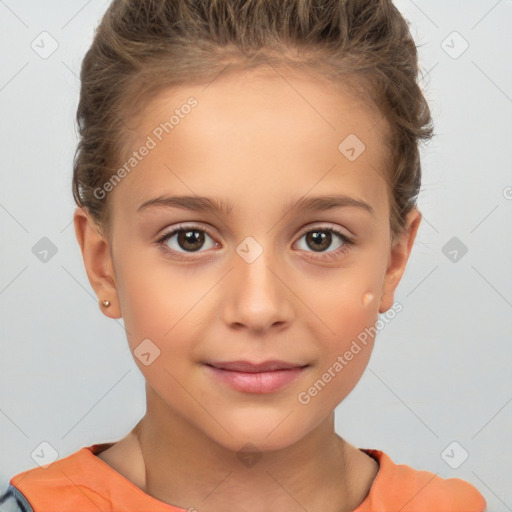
(257, 131)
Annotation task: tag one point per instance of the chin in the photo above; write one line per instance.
(267, 431)
(249, 440)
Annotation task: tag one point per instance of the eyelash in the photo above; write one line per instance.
(347, 242)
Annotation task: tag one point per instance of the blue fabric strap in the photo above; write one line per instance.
(13, 501)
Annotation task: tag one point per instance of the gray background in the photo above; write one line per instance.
(441, 370)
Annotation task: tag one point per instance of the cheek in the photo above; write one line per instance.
(344, 347)
(346, 298)
(351, 320)
(155, 303)
(343, 305)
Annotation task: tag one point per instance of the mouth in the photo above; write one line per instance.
(251, 377)
(248, 367)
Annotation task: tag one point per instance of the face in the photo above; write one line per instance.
(262, 272)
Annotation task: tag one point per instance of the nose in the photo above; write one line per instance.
(257, 294)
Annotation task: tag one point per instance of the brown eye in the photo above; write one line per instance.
(185, 239)
(191, 240)
(319, 240)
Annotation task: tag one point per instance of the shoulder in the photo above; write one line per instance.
(410, 490)
(68, 482)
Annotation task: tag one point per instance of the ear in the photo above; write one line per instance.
(98, 262)
(399, 255)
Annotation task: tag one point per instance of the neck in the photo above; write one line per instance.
(187, 469)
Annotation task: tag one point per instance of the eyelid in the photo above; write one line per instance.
(325, 227)
(182, 226)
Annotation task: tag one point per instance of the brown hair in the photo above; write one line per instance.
(143, 46)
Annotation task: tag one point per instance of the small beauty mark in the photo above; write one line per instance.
(146, 352)
(454, 455)
(454, 249)
(249, 250)
(44, 45)
(454, 45)
(249, 455)
(351, 147)
(44, 249)
(44, 454)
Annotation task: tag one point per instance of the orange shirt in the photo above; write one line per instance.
(82, 482)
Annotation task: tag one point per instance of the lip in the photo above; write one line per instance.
(249, 377)
(249, 367)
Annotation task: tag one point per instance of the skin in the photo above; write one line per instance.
(255, 141)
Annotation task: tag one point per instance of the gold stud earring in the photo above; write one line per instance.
(105, 303)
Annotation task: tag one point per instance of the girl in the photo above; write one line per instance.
(246, 181)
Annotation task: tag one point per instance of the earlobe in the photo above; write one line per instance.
(398, 257)
(98, 262)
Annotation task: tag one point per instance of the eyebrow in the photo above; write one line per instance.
(214, 205)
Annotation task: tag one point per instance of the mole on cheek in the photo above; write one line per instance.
(367, 298)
